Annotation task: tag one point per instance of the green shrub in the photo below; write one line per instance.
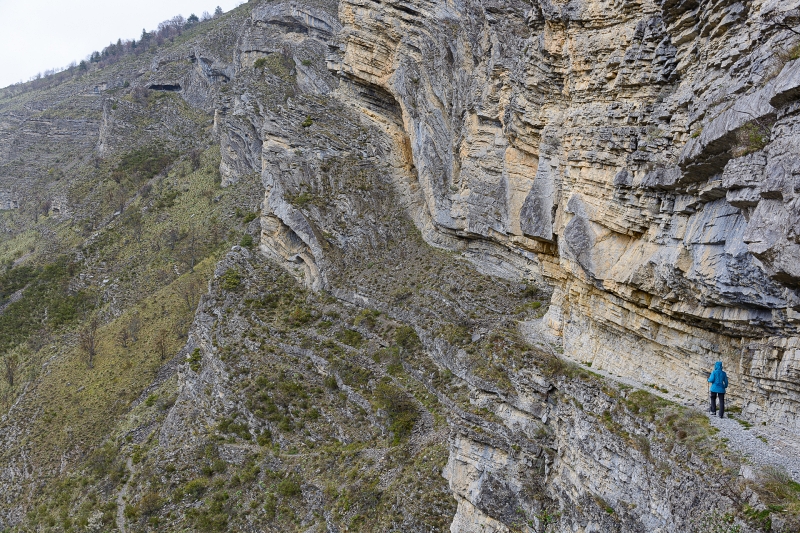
(103, 460)
(301, 199)
(288, 488)
(400, 409)
(755, 136)
(230, 280)
(264, 438)
(367, 317)
(167, 199)
(270, 506)
(456, 334)
(401, 294)
(246, 241)
(195, 360)
(751, 137)
(352, 375)
(143, 164)
(407, 338)
(780, 493)
(229, 425)
(299, 316)
(285, 424)
(150, 504)
(530, 291)
(259, 63)
(307, 122)
(350, 337)
(137, 455)
(716, 522)
(217, 466)
(195, 488)
(15, 279)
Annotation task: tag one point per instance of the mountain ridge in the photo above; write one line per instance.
(379, 196)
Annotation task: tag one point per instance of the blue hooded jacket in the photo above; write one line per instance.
(718, 379)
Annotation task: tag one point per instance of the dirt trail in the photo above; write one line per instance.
(762, 445)
(123, 493)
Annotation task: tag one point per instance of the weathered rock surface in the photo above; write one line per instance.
(641, 157)
(583, 144)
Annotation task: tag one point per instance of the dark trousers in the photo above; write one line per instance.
(721, 403)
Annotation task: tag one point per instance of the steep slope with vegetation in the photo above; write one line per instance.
(269, 274)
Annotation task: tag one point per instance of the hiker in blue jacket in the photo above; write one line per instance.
(719, 382)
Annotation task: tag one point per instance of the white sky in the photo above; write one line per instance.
(37, 35)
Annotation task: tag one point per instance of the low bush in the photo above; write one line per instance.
(240, 429)
(150, 504)
(350, 337)
(195, 360)
(406, 337)
(400, 409)
(194, 489)
(230, 280)
(289, 488)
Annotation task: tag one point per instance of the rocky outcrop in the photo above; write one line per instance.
(630, 165)
(8, 201)
(637, 157)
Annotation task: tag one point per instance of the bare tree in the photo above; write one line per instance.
(88, 341)
(189, 293)
(45, 206)
(177, 22)
(10, 365)
(172, 237)
(784, 20)
(123, 337)
(162, 343)
(140, 95)
(134, 221)
(189, 253)
(134, 325)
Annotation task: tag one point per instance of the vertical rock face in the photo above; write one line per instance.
(641, 156)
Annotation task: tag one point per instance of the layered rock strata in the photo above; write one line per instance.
(637, 157)
(640, 156)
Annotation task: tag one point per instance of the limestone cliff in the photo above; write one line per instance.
(640, 155)
(618, 180)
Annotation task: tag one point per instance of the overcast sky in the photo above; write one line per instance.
(37, 35)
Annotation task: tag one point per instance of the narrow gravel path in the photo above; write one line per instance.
(121, 496)
(762, 445)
